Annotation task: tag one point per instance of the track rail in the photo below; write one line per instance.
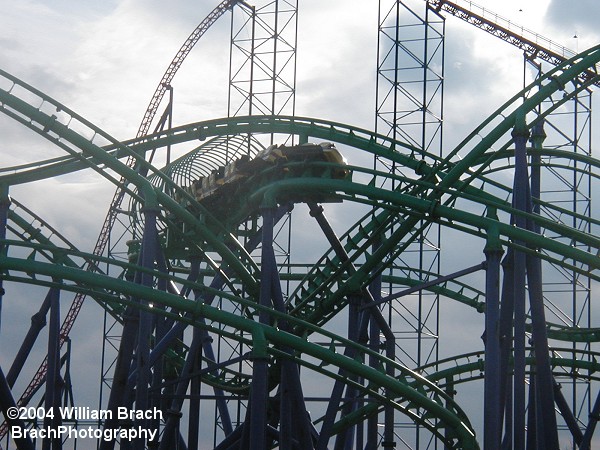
(423, 199)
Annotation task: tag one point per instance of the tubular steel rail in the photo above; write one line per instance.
(117, 199)
(431, 195)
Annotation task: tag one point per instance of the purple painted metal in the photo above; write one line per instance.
(492, 401)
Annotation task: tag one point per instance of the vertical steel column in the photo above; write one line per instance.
(520, 136)
(492, 404)
(118, 391)
(195, 382)
(38, 322)
(262, 80)
(409, 107)
(4, 205)
(194, 414)
(52, 396)
(567, 414)
(169, 435)
(568, 129)
(374, 343)
(586, 441)
(259, 390)
(344, 440)
(506, 341)
(149, 255)
(293, 414)
(205, 339)
(7, 401)
(545, 385)
(372, 315)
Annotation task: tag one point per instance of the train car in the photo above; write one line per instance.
(226, 178)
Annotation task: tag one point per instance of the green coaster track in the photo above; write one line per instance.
(459, 192)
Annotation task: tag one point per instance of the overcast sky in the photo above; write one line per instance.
(104, 60)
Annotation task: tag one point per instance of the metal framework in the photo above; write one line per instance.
(262, 81)
(212, 319)
(262, 76)
(571, 130)
(409, 107)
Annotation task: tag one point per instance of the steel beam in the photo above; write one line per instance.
(492, 427)
(53, 382)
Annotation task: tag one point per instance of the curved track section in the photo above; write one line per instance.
(192, 265)
(145, 125)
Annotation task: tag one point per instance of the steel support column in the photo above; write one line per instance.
(259, 390)
(7, 401)
(4, 205)
(492, 403)
(546, 418)
(506, 338)
(38, 322)
(148, 256)
(374, 344)
(53, 382)
(370, 313)
(520, 200)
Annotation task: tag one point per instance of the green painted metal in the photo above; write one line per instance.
(454, 418)
(429, 197)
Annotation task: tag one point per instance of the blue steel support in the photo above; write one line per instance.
(547, 426)
(206, 341)
(178, 328)
(195, 382)
(7, 401)
(520, 199)
(374, 343)
(567, 414)
(492, 402)
(174, 413)
(129, 391)
(4, 205)
(53, 388)
(533, 417)
(200, 340)
(118, 391)
(286, 409)
(354, 315)
(337, 393)
(216, 284)
(591, 427)
(231, 439)
(245, 435)
(538, 136)
(161, 325)
(332, 407)
(370, 313)
(506, 335)
(38, 322)
(149, 256)
(259, 389)
(373, 422)
(344, 440)
(390, 352)
(293, 409)
(451, 392)
(299, 418)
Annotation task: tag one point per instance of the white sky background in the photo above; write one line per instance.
(104, 60)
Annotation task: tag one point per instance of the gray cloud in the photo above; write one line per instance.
(108, 65)
(580, 16)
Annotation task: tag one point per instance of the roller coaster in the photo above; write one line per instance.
(216, 327)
